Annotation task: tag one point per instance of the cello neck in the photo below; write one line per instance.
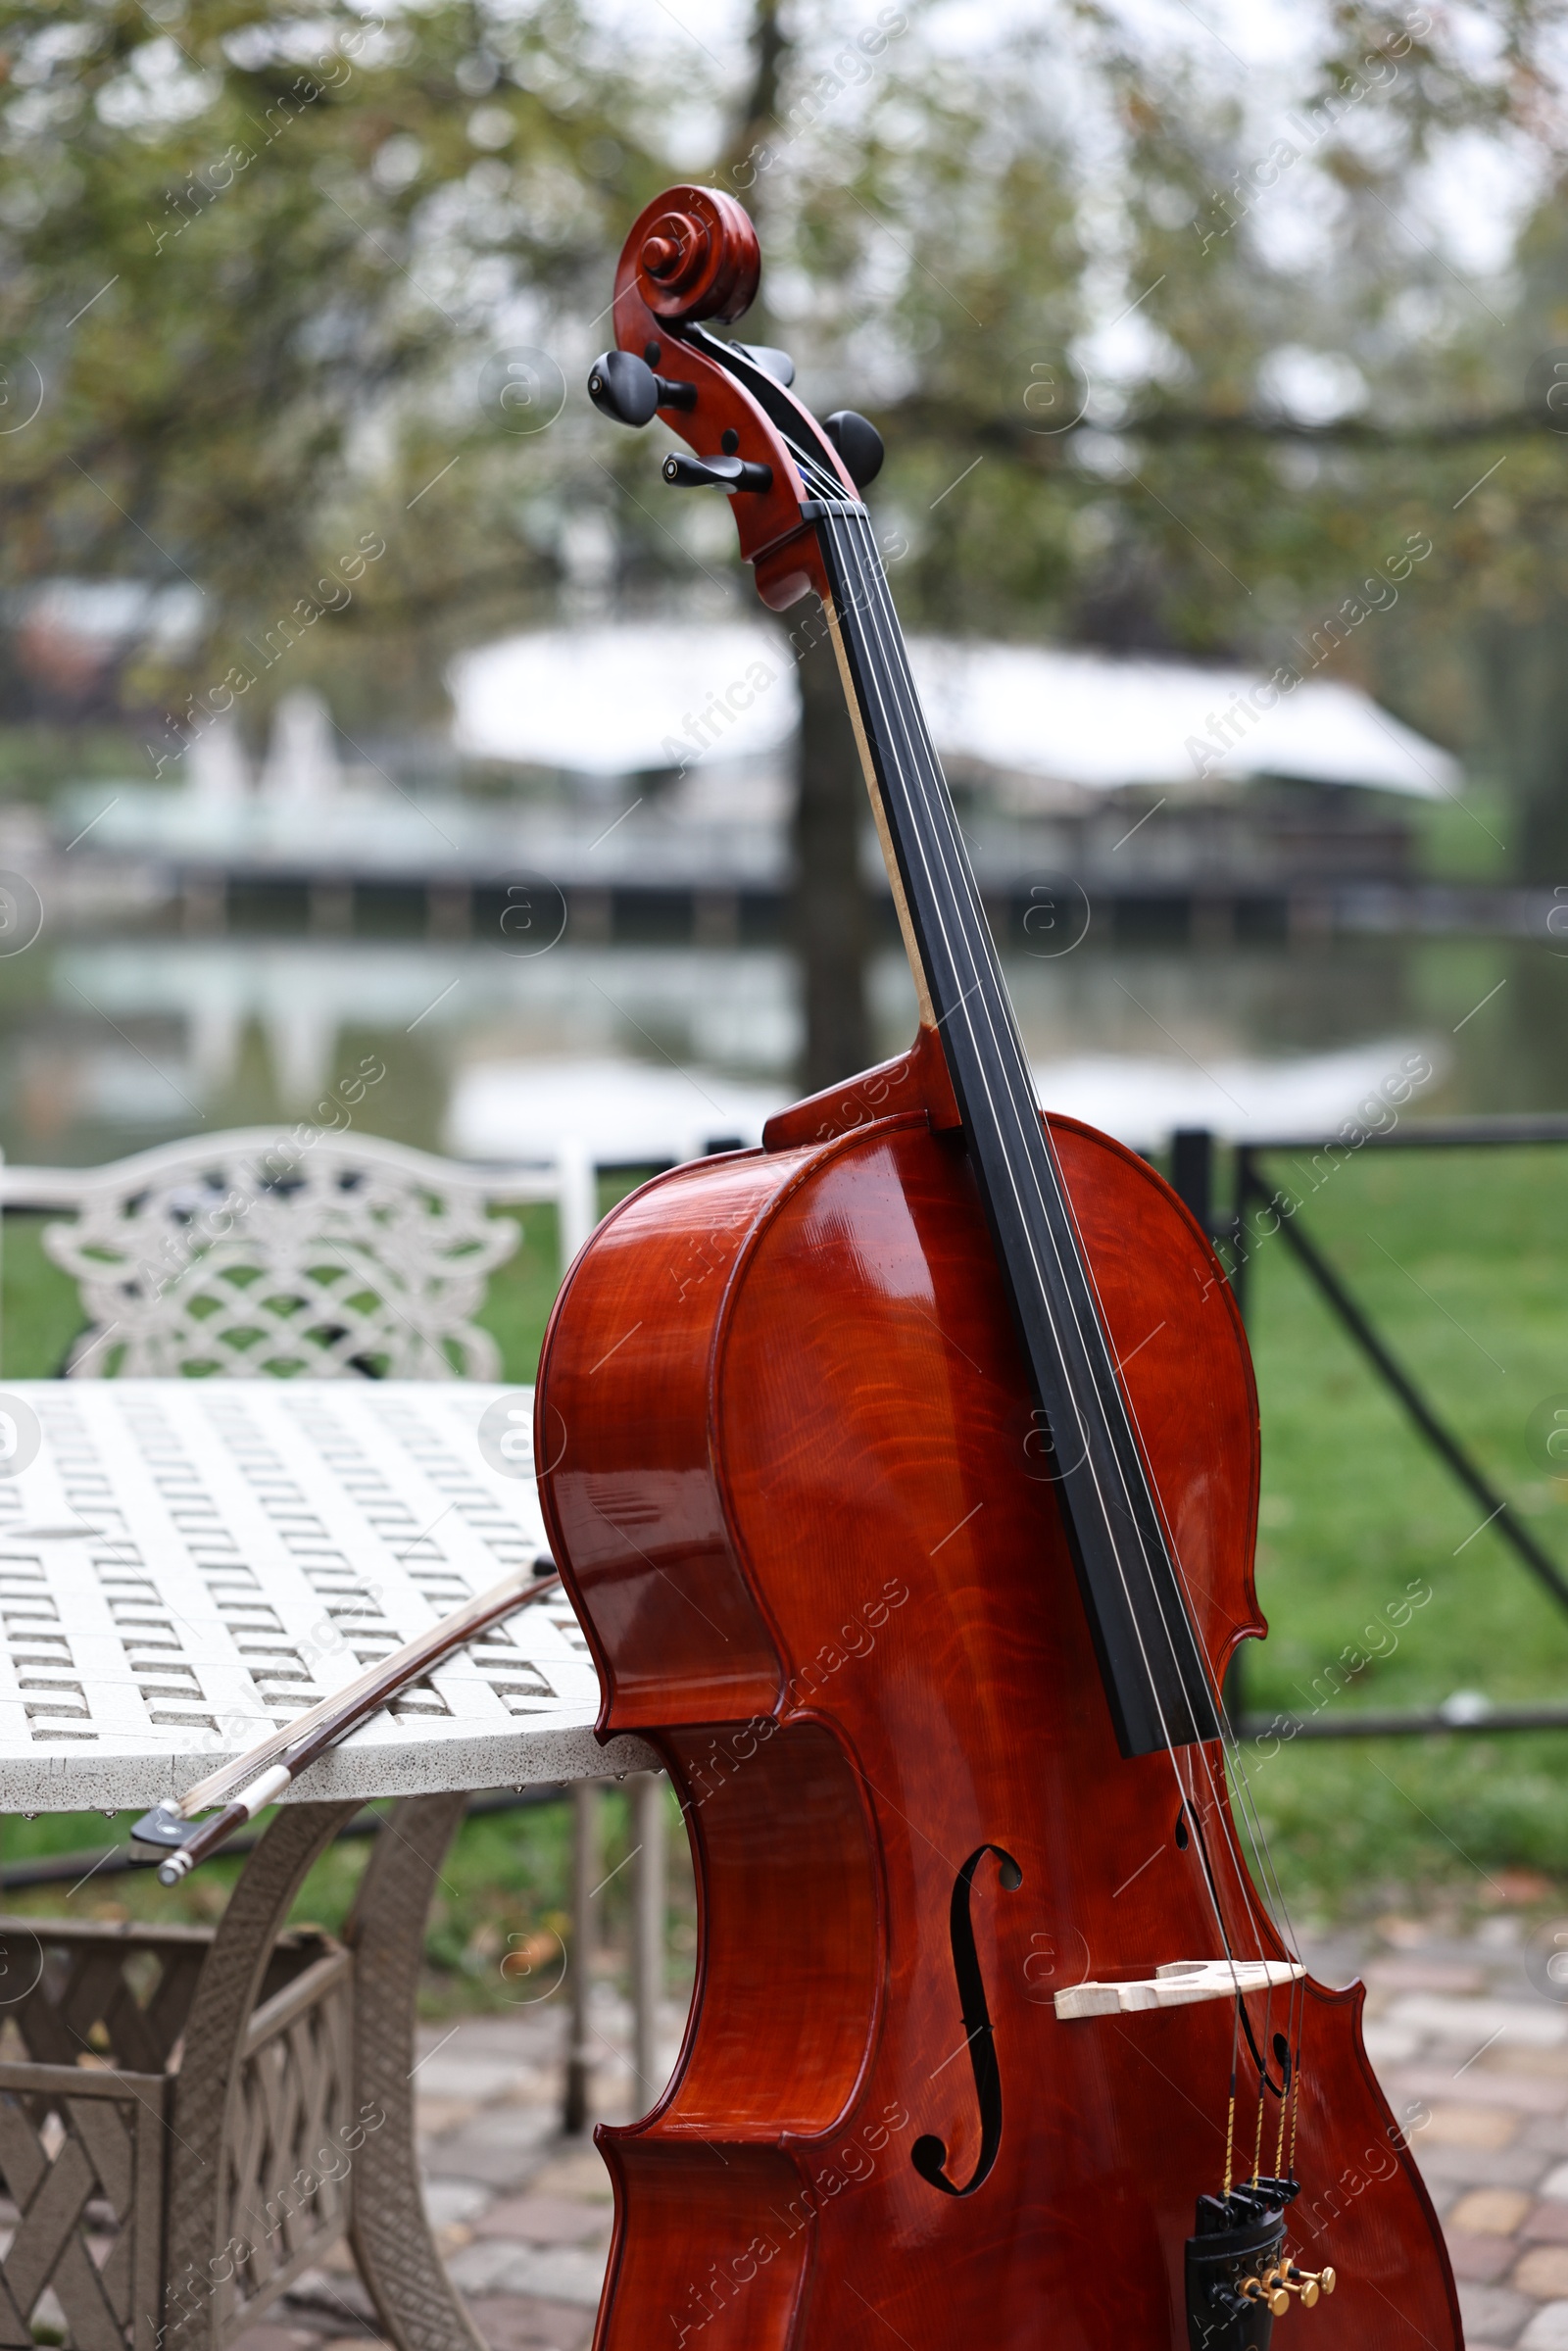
(1157, 1682)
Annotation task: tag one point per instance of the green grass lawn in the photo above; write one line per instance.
(1367, 1545)
(1461, 1260)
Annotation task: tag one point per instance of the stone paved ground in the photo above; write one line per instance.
(1473, 2059)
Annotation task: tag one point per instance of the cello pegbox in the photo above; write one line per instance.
(691, 257)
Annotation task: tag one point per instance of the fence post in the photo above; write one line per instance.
(650, 1834)
(1192, 1176)
(585, 1874)
(576, 1196)
(1191, 1173)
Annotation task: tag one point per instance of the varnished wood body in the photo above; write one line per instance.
(793, 1482)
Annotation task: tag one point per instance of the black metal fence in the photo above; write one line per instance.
(1193, 1174)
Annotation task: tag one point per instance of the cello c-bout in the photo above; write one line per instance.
(823, 1486)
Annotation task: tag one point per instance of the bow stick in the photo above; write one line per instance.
(260, 1776)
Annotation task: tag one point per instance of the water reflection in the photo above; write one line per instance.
(110, 1043)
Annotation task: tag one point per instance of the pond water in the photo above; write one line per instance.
(109, 1044)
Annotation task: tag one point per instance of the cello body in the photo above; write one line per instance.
(792, 1471)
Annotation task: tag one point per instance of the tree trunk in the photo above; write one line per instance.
(831, 909)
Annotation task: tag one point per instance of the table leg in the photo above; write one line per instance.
(587, 1817)
(649, 1871)
(404, 2275)
(199, 2263)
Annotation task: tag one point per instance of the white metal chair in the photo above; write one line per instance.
(303, 1253)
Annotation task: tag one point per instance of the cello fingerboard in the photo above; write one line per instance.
(1155, 1678)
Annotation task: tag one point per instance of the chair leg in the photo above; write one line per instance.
(199, 2266)
(650, 1840)
(586, 1850)
(419, 2306)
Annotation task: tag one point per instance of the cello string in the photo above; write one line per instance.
(983, 968)
(887, 629)
(1256, 1837)
(956, 879)
(955, 872)
(1091, 1282)
(1088, 1329)
(881, 625)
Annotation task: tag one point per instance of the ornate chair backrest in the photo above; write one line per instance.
(314, 1255)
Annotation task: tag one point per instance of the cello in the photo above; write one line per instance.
(904, 1474)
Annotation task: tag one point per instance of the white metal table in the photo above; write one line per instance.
(189, 2118)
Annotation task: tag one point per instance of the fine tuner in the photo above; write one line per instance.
(624, 386)
(1276, 2285)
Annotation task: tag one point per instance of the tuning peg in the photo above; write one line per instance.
(720, 472)
(777, 363)
(623, 386)
(1308, 2284)
(859, 444)
(1258, 2290)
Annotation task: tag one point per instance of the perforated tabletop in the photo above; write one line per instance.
(186, 1564)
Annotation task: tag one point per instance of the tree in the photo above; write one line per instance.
(271, 276)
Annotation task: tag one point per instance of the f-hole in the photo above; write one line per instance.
(929, 2155)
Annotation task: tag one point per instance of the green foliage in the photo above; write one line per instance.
(268, 270)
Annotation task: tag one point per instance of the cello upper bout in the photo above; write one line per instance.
(1185, 1370)
(916, 1080)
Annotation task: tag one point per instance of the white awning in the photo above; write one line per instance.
(620, 700)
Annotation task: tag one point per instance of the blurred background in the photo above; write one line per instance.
(365, 695)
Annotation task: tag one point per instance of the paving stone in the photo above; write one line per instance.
(1485, 2259)
(549, 2219)
(336, 2297)
(1471, 2126)
(481, 2268)
(1479, 2166)
(1543, 2273)
(557, 2274)
(448, 2201)
(1479, 2086)
(1549, 2223)
(1548, 2134)
(1471, 2023)
(1489, 2212)
(523, 2322)
(1389, 2045)
(575, 2172)
(434, 2117)
(1548, 2330)
(1425, 1975)
(1547, 2063)
(505, 2160)
(1494, 2314)
(478, 2079)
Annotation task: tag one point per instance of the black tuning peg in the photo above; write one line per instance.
(720, 472)
(777, 363)
(623, 386)
(859, 444)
